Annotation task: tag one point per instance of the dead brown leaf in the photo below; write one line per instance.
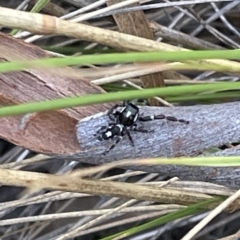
(46, 132)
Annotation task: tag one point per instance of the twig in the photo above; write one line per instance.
(210, 126)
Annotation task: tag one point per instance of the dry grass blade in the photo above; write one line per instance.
(212, 215)
(47, 217)
(74, 184)
(16, 165)
(128, 220)
(200, 187)
(72, 233)
(38, 23)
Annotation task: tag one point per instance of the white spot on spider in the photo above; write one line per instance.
(128, 114)
(120, 127)
(135, 118)
(152, 117)
(122, 109)
(108, 134)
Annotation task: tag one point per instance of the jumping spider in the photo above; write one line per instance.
(125, 120)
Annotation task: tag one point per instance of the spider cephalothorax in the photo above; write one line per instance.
(125, 120)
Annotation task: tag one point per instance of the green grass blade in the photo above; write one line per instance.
(184, 98)
(109, 97)
(215, 161)
(39, 5)
(127, 58)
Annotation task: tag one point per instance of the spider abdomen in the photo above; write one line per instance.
(115, 130)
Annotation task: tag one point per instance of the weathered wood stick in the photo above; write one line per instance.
(210, 126)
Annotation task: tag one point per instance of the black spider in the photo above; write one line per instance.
(126, 120)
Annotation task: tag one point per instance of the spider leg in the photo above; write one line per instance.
(118, 139)
(160, 117)
(112, 113)
(140, 129)
(129, 136)
(125, 103)
(102, 129)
